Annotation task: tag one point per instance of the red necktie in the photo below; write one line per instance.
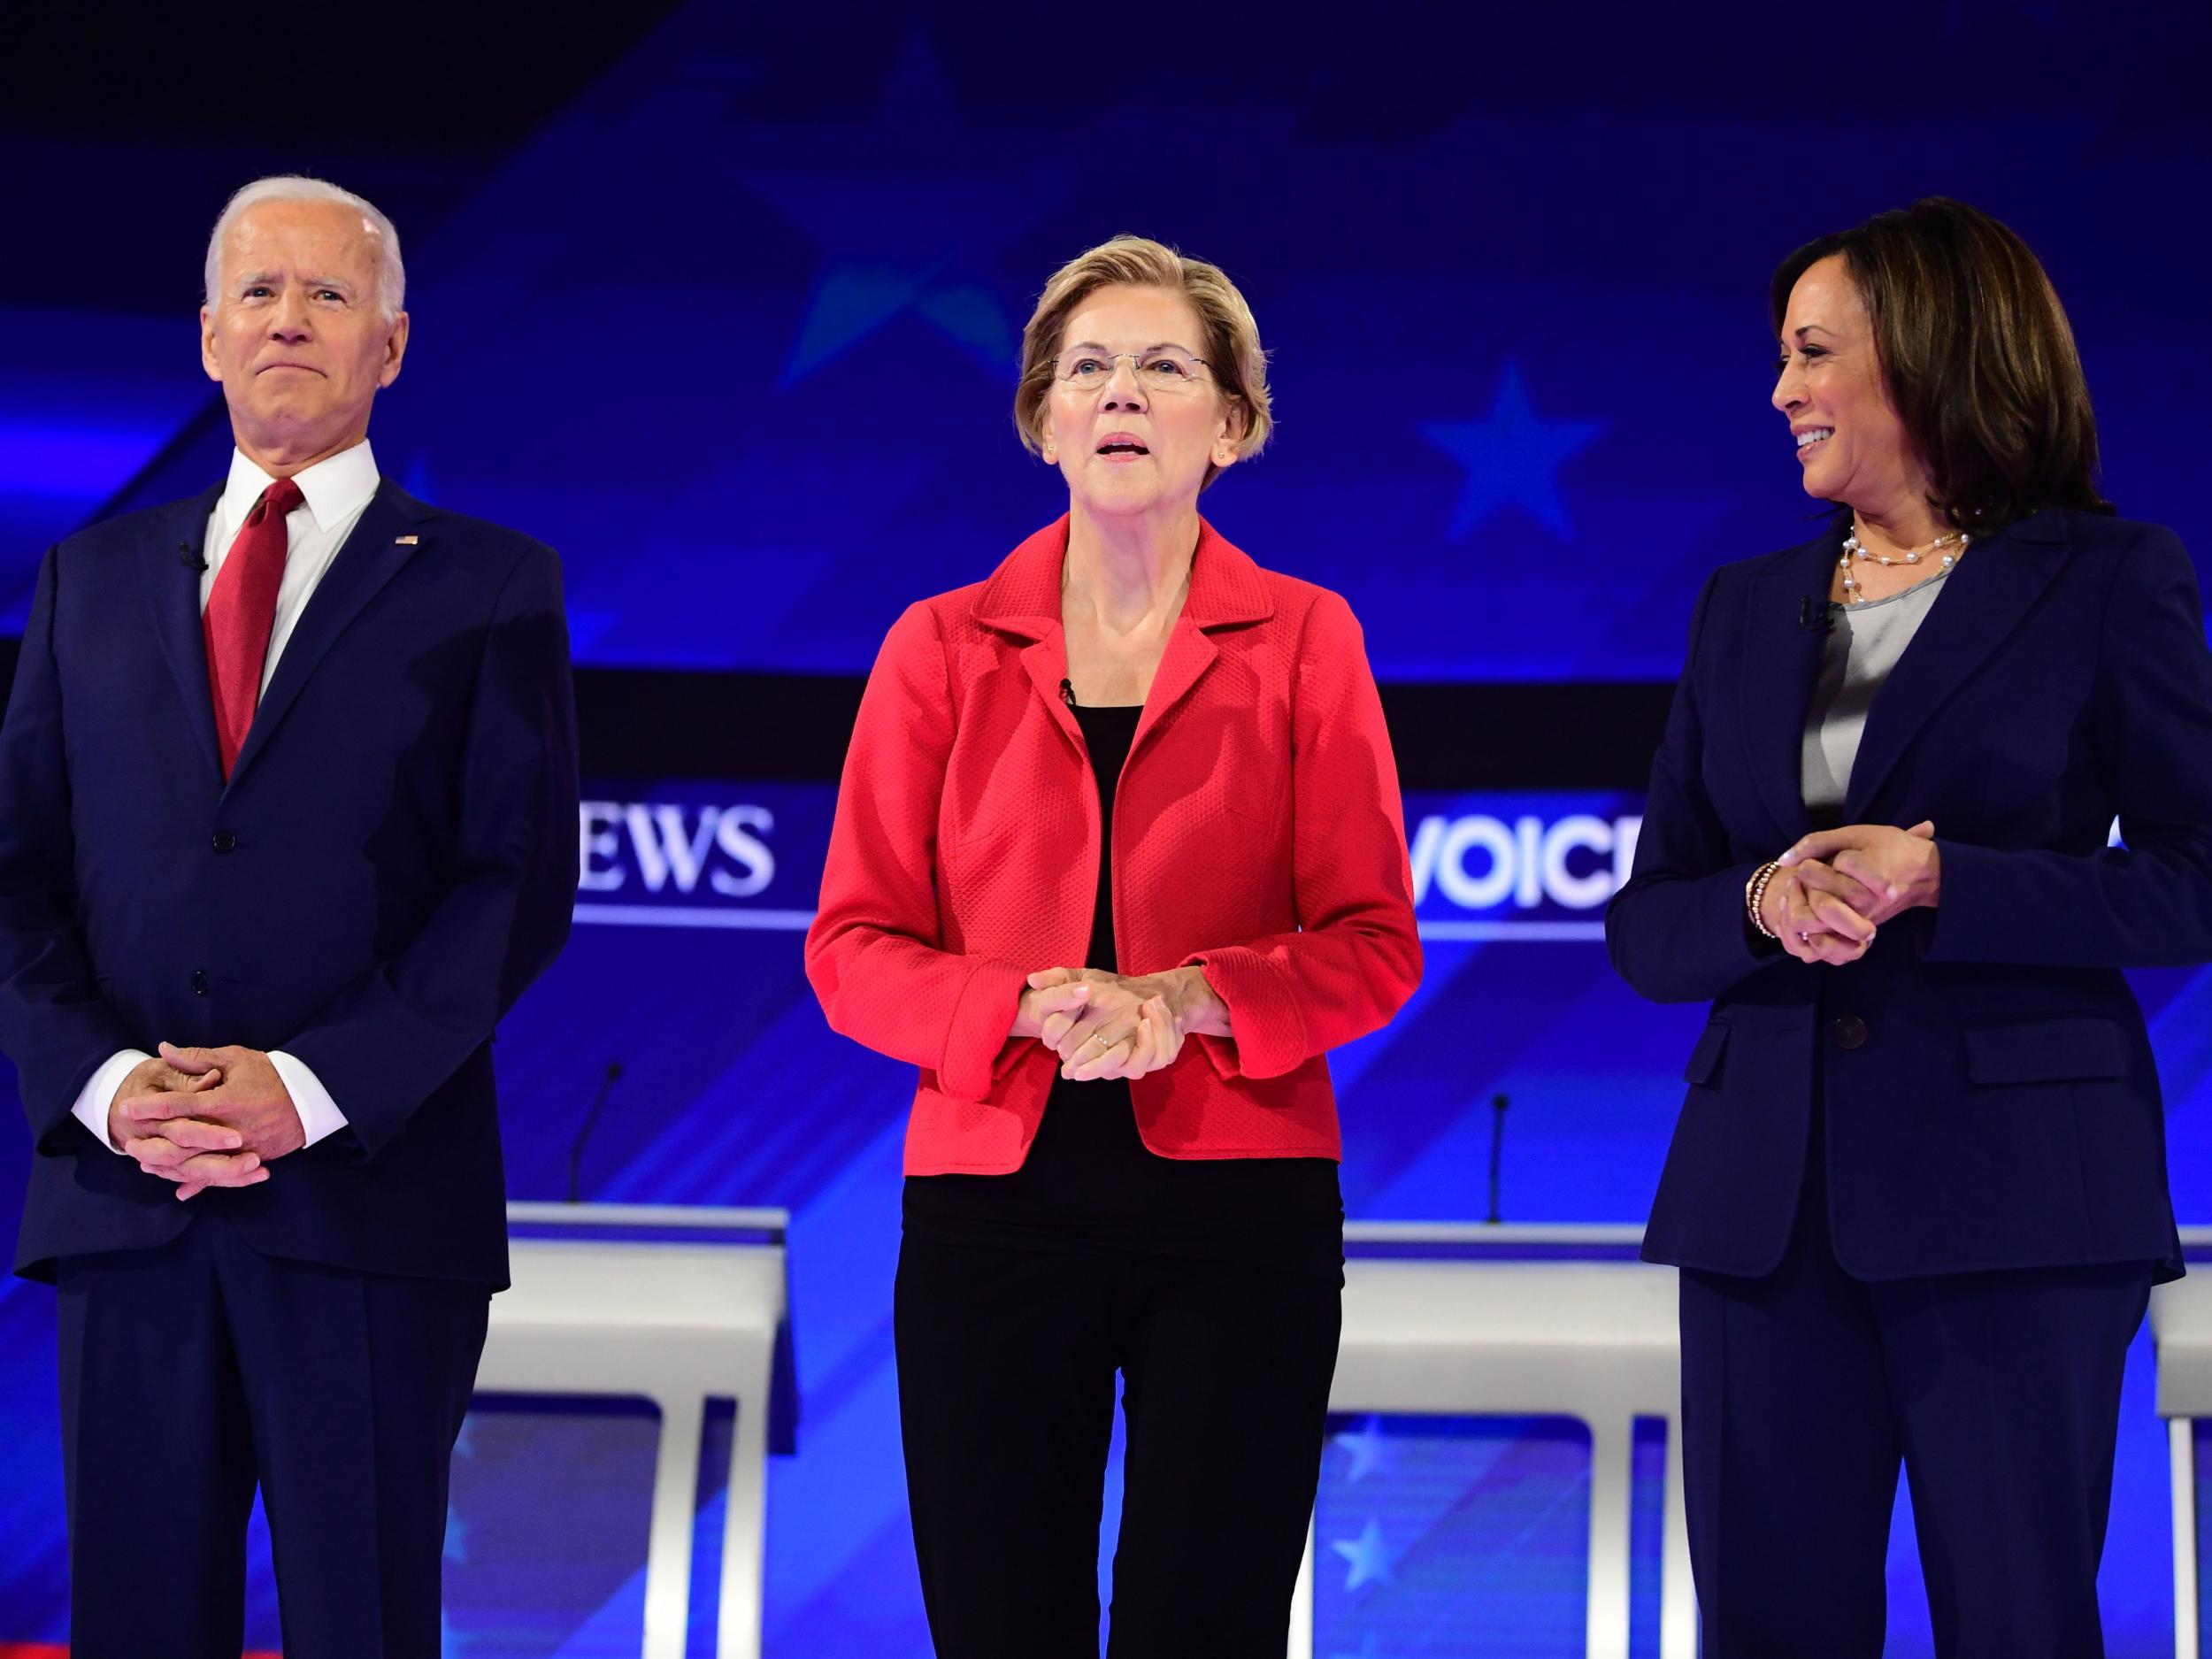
(239, 613)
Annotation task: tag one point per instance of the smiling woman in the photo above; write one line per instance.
(1939, 329)
(1134, 792)
(1918, 1188)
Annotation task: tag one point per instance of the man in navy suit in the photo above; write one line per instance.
(287, 821)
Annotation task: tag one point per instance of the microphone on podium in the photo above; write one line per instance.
(1498, 1103)
(607, 1081)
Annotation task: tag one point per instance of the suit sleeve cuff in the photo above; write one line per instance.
(1271, 1030)
(1970, 921)
(976, 1043)
(319, 1116)
(98, 1093)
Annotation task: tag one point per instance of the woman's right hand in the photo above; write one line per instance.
(1811, 923)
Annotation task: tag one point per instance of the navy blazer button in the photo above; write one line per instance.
(225, 841)
(1850, 1031)
(199, 981)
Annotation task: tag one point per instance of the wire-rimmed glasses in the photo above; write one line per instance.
(1159, 368)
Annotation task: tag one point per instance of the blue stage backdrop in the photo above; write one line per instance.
(735, 330)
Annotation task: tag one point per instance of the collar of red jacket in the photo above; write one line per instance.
(1023, 595)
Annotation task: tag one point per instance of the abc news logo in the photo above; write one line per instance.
(659, 847)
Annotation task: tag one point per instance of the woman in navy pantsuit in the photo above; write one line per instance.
(1917, 1191)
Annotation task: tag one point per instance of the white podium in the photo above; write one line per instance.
(1463, 1319)
(677, 1306)
(2181, 1330)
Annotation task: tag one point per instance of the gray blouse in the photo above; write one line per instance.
(1856, 658)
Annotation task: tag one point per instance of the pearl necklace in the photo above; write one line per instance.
(1852, 549)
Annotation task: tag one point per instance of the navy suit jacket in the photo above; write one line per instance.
(1983, 1072)
(392, 861)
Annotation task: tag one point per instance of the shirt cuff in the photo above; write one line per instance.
(98, 1093)
(319, 1116)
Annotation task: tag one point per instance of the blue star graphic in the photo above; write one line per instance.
(453, 1644)
(1370, 1556)
(456, 1536)
(919, 244)
(1369, 1449)
(1514, 455)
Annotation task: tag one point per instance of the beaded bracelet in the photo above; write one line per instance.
(1754, 893)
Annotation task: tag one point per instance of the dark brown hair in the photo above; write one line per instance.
(1980, 358)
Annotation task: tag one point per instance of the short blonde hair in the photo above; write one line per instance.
(1232, 346)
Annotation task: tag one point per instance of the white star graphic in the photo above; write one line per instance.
(1370, 1556)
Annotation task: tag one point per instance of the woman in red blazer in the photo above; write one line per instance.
(1131, 792)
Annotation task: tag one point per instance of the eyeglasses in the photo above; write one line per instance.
(1163, 368)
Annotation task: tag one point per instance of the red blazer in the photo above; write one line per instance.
(1257, 830)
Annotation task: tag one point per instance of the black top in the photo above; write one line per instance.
(1089, 1180)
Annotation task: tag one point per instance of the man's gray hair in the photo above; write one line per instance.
(391, 277)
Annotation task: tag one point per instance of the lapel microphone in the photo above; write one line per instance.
(190, 556)
(1067, 692)
(1812, 615)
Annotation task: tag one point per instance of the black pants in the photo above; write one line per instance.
(1998, 1391)
(192, 1373)
(1006, 1376)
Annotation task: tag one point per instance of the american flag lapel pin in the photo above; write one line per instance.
(404, 540)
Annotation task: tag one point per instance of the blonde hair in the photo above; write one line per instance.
(1231, 347)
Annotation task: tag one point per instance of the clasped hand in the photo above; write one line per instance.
(1102, 1025)
(205, 1117)
(1833, 889)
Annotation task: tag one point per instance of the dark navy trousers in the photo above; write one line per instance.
(192, 1373)
(1999, 1393)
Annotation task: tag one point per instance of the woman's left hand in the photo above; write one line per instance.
(1130, 1034)
(1901, 870)
(1129, 1026)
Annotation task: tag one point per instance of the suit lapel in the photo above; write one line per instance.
(1047, 661)
(170, 558)
(371, 557)
(1022, 597)
(1781, 661)
(1226, 590)
(1188, 654)
(1983, 601)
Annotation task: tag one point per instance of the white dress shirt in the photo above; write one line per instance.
(336, 491)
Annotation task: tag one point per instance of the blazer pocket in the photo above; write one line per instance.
(2073, 1048)
(1704, 1064)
